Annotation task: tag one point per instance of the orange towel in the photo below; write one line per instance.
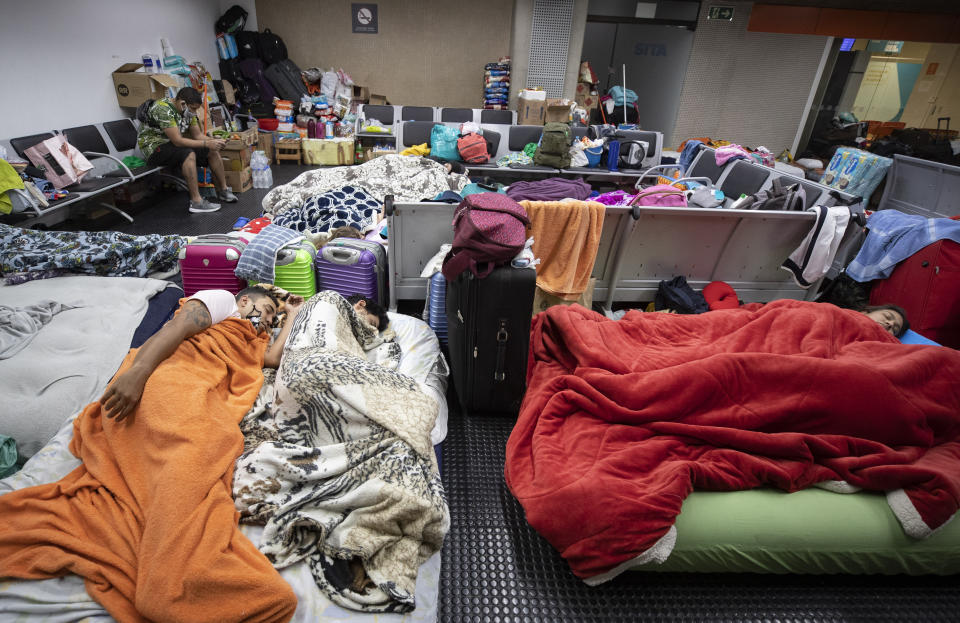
(148, 518)
(566, 235)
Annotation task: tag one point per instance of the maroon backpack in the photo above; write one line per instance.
(488, 229)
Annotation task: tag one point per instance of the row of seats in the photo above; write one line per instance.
(391, 115)
(410, 133)
(105, 145)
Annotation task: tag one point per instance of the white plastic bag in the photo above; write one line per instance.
(577, 157)
(328, 85)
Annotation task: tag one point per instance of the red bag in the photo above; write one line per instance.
(488, 229)
(473, 148)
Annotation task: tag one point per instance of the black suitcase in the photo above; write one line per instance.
(248, 44)
(285, 78)
(488, 332)
(252, 70)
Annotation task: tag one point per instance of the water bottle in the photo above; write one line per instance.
(267, 177)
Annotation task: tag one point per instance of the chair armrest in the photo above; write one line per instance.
(97, 154)
(657, 167)
(29, 199)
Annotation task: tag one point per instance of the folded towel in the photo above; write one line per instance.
(566, 237)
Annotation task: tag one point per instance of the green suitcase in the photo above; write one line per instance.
(294, 270)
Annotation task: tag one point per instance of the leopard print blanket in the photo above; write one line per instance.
(338, 463)
(407, 178)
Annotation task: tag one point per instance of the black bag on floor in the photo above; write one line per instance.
(677, 295)
(488, 331)
(285, 78)
(272, 48)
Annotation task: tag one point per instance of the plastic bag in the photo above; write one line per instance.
(577, 157)
(328, 84)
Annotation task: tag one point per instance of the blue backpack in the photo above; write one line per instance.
(443, 142)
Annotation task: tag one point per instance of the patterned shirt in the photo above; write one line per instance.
(163, 114)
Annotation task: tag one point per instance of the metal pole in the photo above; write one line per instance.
(624, 93)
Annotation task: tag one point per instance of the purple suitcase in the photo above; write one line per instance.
(208, 262)
(252, 69)
(351, 266)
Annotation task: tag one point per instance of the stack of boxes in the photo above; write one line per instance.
(496, 84)
(236, 159)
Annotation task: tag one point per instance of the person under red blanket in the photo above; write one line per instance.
(891, 317)
(200, 311)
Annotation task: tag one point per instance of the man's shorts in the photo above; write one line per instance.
(169, 155)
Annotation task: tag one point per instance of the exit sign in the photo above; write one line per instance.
(720, 12)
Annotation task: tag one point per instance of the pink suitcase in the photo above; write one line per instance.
(208, 262)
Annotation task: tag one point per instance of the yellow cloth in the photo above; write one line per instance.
(8, 179)
(566, 236)
(417, 150)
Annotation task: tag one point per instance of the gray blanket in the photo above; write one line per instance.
(19, 325)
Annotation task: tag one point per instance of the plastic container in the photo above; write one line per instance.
(593, 155)
(268, 124)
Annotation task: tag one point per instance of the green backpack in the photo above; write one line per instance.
(554, 148)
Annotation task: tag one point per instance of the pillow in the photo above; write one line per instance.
(911, 337)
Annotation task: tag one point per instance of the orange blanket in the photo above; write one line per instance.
(148, 518)
(566, 236)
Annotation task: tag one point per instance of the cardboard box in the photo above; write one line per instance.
(265, 144)
(558, 111)
(327, 151)
(132, 192)
(370, 153)
(239, 181)
(542, 300)
(531, 112)
(360, 94)
(133, 88)
(235, 159)
(586, 96)
(377, 100)
(244, 138)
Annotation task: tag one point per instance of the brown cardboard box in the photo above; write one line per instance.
(245, 138)
(530, 112)
(265, 144)
(370, 153)
(586, 96)
(239, 181)
(235, 159)
(135, 88)
(542, 300)
(132, 192)
(557, 111)
(360, 94)
(377, 100)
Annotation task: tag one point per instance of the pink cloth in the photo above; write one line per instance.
(730, 152)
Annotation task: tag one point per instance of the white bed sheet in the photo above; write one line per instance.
(65, 600)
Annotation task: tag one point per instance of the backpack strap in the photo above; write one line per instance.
(456, 263)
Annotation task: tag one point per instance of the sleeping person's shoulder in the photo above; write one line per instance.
(221, 304)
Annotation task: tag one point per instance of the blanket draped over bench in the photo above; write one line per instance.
(148, 519)
(339, 465)
(623, 419)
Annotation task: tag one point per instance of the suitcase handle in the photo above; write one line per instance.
(341, 255)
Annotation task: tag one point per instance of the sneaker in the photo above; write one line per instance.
(226, 195)
(203, 206)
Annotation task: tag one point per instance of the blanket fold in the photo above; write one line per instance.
(566, 236)
(339, 465)
(623, 419)
(19, 325)
(148, 519)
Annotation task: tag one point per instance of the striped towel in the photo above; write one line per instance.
(256, 263)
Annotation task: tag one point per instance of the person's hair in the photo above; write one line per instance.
(894, 308)
(258, 291)
(455, 166)
(373, 307)
(189, 95)
(345, 232)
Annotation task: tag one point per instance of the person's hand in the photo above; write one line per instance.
(122, 396)
(293, 305)
(215, 144)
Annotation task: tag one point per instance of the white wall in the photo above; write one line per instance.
(58, 55)
(747, 87)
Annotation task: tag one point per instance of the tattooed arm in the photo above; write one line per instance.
(123, 394)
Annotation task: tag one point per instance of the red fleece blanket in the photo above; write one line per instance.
(623, 419)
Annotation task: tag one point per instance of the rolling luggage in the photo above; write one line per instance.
(252, 70)
(293, 270)
(352, 266)
(285, 77)
(927, 286)
(488, 331)
(208, 262)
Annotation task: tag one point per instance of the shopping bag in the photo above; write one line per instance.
(62, 164)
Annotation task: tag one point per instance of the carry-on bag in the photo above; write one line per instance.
(272, 48)
(208, 262)
(62, 163)
(285, 77)
(248, 44)
(294, 269)
(927, 286)
(252, 70)
(352, 266)
(488, 331)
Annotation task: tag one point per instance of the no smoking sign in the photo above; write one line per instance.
(365, 18)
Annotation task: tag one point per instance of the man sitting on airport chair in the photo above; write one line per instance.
(170, 136)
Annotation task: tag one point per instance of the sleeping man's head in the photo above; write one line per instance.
(259, 306)
(369, 310)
